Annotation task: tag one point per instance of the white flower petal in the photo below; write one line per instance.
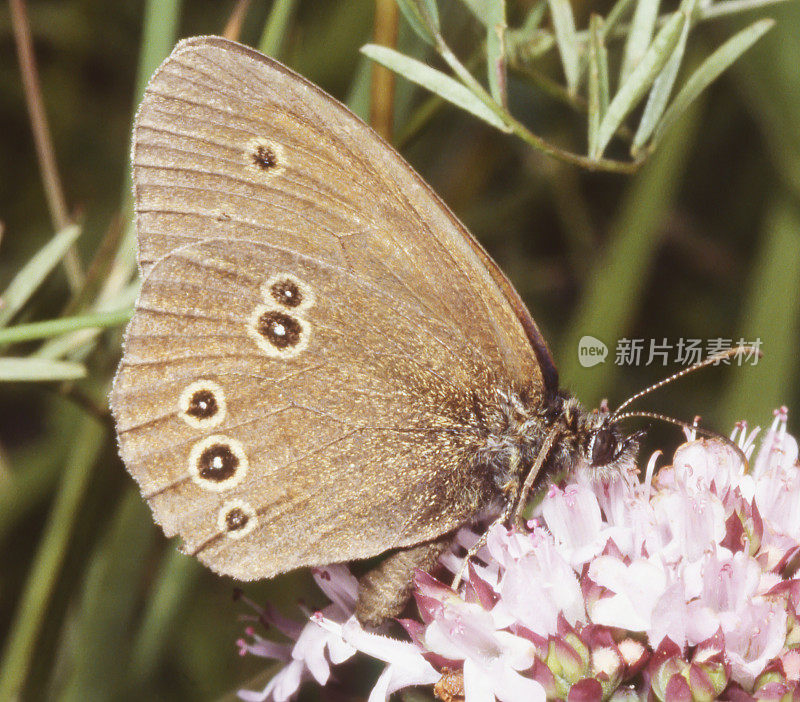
(310, 649)
(477, 685)
(339, 585)
(510, 686)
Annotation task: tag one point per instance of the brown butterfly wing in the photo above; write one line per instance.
(335, 189)
(350, 446)
(355, 443)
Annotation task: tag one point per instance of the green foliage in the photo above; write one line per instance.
(650, 62)
(700, 242)
(437, 82)
(34, 272)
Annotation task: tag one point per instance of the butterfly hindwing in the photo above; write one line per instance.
(340, 412)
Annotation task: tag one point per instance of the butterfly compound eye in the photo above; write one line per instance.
(603, 446)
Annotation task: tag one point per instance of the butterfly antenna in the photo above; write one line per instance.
(710, 433)
(711, 360)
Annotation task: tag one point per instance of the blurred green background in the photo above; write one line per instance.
(703, 242)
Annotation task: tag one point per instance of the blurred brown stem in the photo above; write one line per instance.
(41, 135)
(382, 86)
(98, 268)
(233, 29)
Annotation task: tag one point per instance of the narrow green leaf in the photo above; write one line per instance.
(639, 35)
(80, 342)
(358, 96)
(53, 327)
(733, 7)
(435, 81)
(276, 27)
(22, 491)
(567, 40)
(584, 37)
(161, 18)
(710, 70)
(38, 369)
(34, 272)
(478, 9)
(496, 49)
(159, 32)
(662, 86)
(422, 16)
(642, 77)
(172, 586)
(617, 13)
(598, 79)
(535, 16)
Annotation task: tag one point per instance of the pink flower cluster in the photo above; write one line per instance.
(680, 586)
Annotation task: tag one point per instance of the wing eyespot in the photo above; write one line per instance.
(202, 405)
(288, 292)
(218, 463)
(264, 156)
(236, 518)
(277, 333)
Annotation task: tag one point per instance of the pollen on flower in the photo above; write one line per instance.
(631, 651)
(606, 660)
(681, 585)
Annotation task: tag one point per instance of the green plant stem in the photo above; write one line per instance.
(771, 312)
(558, 92)
(158, 37)
(590, 164)
(33, 607)
(53, 327)
(178, 575)
(274, 34)
(520, 130)
(109, 604)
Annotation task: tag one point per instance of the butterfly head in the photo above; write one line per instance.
(592, 440)
(605, 447)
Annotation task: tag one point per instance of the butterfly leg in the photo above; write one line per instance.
(478, 545)
(522, 497)
(511, 490)
(384, 591)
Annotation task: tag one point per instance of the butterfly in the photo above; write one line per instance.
(323, 364)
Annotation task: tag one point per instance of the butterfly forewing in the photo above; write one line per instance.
(313, 328)
(229, 143)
